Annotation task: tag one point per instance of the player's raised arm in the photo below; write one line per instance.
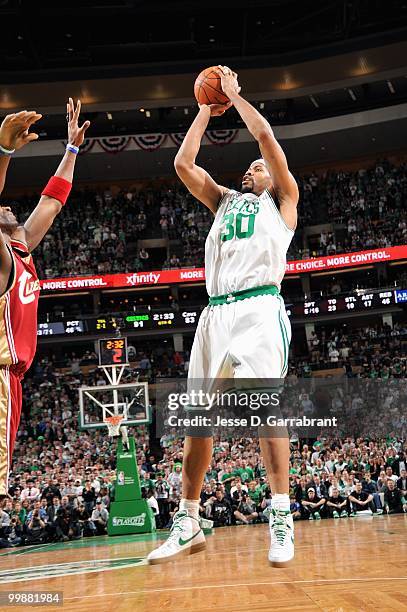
(14, 134)
(196, 179)
(284, 184)
(59, 186)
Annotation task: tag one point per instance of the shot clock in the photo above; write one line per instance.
(113, 351)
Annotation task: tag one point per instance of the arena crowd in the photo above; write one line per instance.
(63, 479)
(65, 493)
(98, 231)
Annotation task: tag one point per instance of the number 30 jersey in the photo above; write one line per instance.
(247, 244)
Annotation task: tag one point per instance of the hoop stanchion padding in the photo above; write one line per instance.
(129, 513)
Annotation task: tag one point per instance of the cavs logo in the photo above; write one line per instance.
(27, 288)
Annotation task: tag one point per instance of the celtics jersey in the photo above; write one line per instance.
(247, 244)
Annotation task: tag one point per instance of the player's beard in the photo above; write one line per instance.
(248, 187)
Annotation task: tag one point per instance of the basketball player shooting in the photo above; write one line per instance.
(245, 325)
(19, 284)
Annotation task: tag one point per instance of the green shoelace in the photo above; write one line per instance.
(279, 526)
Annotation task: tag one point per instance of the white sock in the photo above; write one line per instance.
(191, 506)
(281, 501)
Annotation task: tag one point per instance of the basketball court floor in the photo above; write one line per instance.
(355, 564)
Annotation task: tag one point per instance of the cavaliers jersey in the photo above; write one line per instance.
(18, 312)
(247, 244)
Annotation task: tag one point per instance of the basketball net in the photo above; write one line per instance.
(113, 424)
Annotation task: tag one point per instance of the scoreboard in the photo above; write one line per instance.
(61, 327)
(154, 320)
(131, 322)
(401, 296)
(348, 303)
(166, 319)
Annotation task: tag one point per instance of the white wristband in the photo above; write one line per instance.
(72, 148)
(4, 151)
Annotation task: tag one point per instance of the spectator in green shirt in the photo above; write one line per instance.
(20, 512)
(255, 493)
(227, 478)
(211, 473)
(147, 483)
(245, 472)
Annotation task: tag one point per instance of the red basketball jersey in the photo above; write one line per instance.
(18, 312)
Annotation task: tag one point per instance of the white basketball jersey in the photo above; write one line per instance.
(247, 244)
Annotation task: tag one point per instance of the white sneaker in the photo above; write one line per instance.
(282, 537)
(186, 538)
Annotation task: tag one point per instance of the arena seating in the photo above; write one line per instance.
(98, 231)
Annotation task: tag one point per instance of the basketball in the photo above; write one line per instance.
(208, 88)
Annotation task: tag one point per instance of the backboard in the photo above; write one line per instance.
(130, 399)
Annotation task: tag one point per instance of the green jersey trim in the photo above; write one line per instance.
(285, 340)
(236, 296)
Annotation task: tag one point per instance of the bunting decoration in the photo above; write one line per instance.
(150, 142)
(114, 144)
(177, 138)
(221, 137)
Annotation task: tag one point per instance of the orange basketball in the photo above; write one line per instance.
(208, 88)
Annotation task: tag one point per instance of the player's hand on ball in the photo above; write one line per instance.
(14, 130)
(76, 134)
(228, 79)
(217, 109)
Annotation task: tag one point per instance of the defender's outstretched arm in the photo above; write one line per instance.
(14, 134)
(54, 196)
(196, 179)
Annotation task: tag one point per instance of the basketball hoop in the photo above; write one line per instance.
(113, 423)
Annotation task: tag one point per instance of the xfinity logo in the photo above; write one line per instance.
(137, 279)
(125, 521)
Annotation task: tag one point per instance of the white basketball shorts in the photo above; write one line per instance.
(243, 339)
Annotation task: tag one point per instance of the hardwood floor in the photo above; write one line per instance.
(346, 565)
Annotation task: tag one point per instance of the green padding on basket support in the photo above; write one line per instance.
(127, 478)
(129, 513)
(130, 517)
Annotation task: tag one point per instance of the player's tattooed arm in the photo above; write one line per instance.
(284, 184)
(42, 217)
(15, 134)
(196, 179)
